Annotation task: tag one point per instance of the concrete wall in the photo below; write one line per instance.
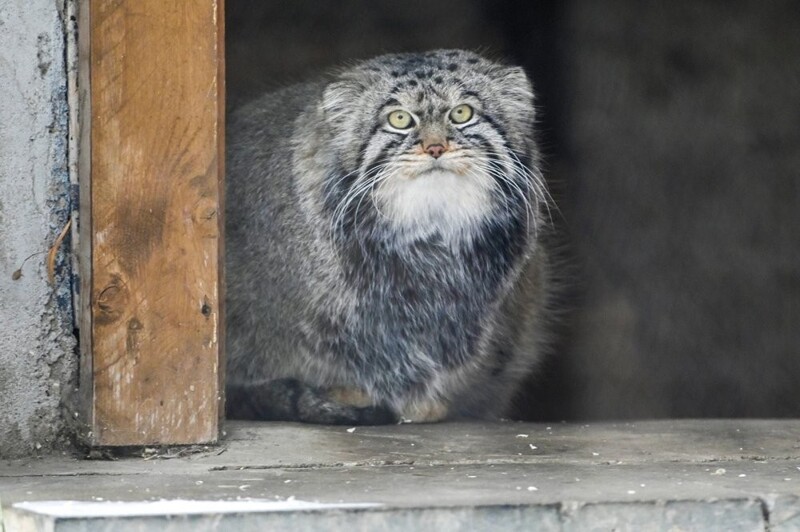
(37, 348)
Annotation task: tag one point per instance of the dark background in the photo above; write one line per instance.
(672, 138)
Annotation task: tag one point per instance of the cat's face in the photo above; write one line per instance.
(435, 142)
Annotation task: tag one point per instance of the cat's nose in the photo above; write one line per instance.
(435, 150)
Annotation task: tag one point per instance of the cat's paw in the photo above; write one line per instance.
(424, 411)
(357, 408)
(350, 396)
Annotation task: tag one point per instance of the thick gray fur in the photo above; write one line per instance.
(354, 293)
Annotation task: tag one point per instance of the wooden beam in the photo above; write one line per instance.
(151, 220)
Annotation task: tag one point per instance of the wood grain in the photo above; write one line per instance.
(151, 220)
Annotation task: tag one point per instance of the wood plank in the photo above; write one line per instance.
(152, 217)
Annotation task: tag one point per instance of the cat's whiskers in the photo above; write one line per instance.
(540, 187)
(528, 178)
(500, 170)
(495, 186)
(381, 176)
(362, 184)
(508, 169)
(533, 180)
(491, 170)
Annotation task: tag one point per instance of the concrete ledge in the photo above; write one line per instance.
(668, 475)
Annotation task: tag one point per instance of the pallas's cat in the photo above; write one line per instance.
(385, 256)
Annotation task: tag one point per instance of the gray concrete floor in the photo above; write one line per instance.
(654, 475)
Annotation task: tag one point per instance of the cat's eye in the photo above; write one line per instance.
(400, 119)
(461, 114)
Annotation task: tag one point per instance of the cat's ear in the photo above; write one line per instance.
(338, 98)
(516, 83)
(517, 91)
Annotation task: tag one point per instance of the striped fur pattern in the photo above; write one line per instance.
(379, 269)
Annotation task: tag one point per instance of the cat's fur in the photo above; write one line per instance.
(367, 280)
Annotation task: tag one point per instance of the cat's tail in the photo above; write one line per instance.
(291, 400)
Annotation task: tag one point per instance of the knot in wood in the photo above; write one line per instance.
(111, 301)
